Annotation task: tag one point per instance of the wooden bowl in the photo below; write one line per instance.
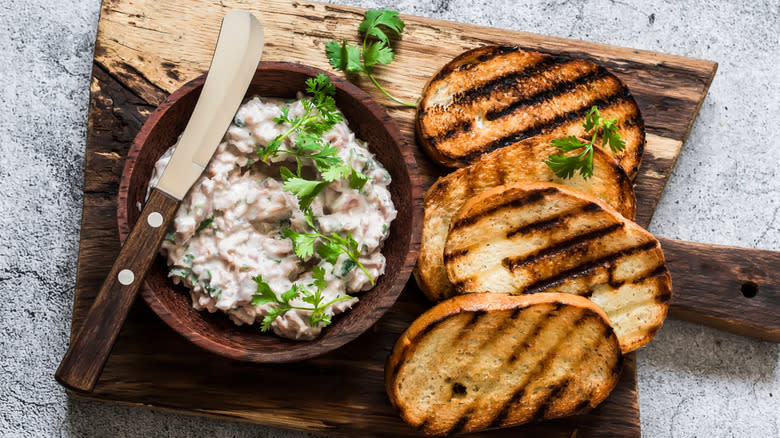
(215, 332)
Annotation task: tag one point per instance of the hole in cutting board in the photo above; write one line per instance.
(749, 289)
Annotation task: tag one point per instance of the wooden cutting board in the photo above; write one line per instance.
(147, 48)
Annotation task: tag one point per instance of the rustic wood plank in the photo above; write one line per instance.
(145, 49)
(734, 289)
(144, 44)
(353, 404)
(230, 389)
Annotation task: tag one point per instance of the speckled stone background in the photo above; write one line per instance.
(694, 381)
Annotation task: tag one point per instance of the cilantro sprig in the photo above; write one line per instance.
(377, 28)
(265, 295)
(565, 166)
(328, 247)
(319, 116)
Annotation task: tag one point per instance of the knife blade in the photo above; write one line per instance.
(237, 53)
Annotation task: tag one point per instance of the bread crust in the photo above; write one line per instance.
(492, 96)
(545, 237)
(521, 162)
(481, 305)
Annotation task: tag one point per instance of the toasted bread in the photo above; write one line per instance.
(542, 237)
(521, 162)
(492, 97)
(493, 360)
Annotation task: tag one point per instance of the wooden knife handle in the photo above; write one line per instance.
(88, 351)
(734, 289)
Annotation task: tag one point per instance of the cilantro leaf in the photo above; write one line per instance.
(612, 136)
(318, 274)
(334, 173)
(329, 251)
(308, 141)
(291, 293)
(303, 243)
(264, 293)
(320, 86)
(375, 19)
(320, 115)
(304, 189)
(325, 158)
(313, 298)
(377, 28)
(377, 52)
(270, 149)
(566, 166)
(330, 246)
(273, 313)
(285, 117)
(344, 57)
(568, 144)
(318, 310)
(357, 180)
(320, 317)
(591, 119)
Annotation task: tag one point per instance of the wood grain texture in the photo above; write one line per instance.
(145, 45)
(145, 49)
(734, 289)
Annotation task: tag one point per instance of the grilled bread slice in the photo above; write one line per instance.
(492, 97)
(542, 237)
(521, 162)
(494, 360)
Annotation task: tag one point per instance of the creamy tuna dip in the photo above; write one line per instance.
(228, 228)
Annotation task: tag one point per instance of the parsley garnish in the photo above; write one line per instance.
(345, 171)
(376, 48)
(282, 304)
(319, 116)
(304, 189)
(330, 246)
(565, 167)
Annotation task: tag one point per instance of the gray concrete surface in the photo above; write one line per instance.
(694, 381)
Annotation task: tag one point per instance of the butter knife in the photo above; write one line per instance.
(237, 53)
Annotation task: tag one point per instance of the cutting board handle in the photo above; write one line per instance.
(734, 289)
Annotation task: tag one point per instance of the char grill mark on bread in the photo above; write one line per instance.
(521, 162)
(566, 241)
(568, 124)
(524, 358)
(492, 97)
(509, 204)
(569, 247)
(590, 267)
